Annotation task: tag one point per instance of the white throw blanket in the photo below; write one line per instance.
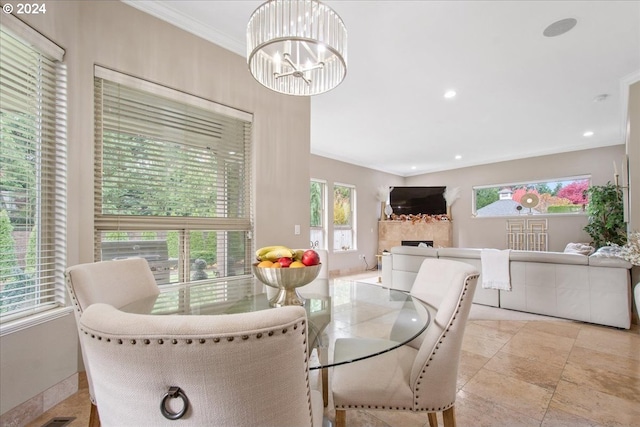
(495, 269)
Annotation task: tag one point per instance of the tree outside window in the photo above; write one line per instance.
(318, 223)
(558, 196)
(174, 182)
(343, 217)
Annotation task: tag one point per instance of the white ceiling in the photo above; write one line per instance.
(519, 94)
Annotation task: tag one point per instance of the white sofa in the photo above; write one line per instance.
(591, 289)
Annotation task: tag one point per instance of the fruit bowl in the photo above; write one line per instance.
(286, 280)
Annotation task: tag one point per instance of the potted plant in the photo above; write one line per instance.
(605, 215)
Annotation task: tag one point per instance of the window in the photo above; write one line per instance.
(32, 172)
(551, 197)
(318, 199)
(344, 202)
(172, 182)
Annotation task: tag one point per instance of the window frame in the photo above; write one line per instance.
(185, 225)
(530, 183)
(50, 161)
(351, 225)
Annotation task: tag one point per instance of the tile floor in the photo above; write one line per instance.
(516, 369)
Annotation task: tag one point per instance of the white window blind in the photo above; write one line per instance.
(173, 180)
(32, 172)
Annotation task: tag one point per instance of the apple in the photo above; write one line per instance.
(310, 257)
(285, 262)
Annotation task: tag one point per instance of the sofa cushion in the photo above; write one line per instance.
(608, 256)
(579, 248)
(608, 261)
(549, 257)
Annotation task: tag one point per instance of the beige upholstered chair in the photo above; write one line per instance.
(246, 369)
(420, 376)
(117, 283)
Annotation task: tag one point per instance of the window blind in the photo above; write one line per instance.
(32, 172)
(174, 169)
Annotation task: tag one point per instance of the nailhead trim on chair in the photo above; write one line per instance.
(160, 341)
(444, 408)
(444, 334)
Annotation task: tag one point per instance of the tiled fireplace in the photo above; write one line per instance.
(394, 233)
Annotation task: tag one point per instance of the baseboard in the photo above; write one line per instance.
(39, 404)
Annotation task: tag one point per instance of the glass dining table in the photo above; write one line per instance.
(383, 319)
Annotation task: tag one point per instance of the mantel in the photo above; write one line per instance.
(392, 233)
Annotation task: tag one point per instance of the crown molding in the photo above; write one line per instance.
(184, 22)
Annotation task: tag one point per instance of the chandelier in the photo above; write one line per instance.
(297, 47)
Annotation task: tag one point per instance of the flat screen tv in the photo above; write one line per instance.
(418, 200)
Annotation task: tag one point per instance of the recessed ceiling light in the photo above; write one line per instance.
(413, 167)
(559, 27)
(458, 157)
(588, 133)
(450, 94)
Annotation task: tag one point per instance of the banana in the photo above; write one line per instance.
(275, 254)
(260, 253)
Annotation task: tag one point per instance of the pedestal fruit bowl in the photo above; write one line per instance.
(286, 280)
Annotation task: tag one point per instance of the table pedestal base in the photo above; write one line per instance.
(286, 297)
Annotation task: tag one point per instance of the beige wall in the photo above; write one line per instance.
(35, 359)
(120, 37)
(490, 232)
(367, 182)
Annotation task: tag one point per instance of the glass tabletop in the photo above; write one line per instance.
(381, 318)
